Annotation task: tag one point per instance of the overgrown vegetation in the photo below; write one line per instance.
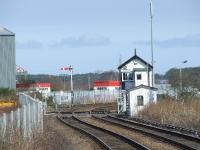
(14, 140)
(7, 94)
(179, 113)
(50, 104)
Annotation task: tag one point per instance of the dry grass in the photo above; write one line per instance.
(184, 114)
(14, 140)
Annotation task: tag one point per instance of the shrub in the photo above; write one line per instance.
(179, 113)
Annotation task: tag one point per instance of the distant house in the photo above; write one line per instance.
(39, 87)
(42, 87)
(136, 85)
(106, 85)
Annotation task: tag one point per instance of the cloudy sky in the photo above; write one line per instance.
(93, 34)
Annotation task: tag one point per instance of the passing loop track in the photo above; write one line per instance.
(167, 126)
(102, 144)
(108, 140)
(177, 139)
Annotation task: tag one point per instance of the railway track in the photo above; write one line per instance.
(179, 140)
(168, 126)
(107, 140)
(94, 110)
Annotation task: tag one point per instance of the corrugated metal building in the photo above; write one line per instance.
(7, 59)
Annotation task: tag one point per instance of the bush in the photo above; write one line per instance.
(50, 102)
(178, 113)
(6, 93)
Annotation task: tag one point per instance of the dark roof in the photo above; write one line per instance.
(132, 58)
(143, 86)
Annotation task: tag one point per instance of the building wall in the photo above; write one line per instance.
(137, 67)
(149, 96)
(134, 65)
(7, 61)
(144, 80)
(106, 88)
(43, 89)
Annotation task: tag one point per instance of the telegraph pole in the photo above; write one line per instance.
(72, 88)
(181, 76)
(89, 82)
(70, 68)
(152, 55)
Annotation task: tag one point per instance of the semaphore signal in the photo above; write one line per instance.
(70, 68)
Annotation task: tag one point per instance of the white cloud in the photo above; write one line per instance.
(187, 41)
(85, 40)
(29, 45)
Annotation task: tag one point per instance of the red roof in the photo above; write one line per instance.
(23, 85)
(106, 83)
(42, 84)
(29, 85)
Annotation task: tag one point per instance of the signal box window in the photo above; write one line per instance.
(125, 76)
(139, 76)
(140, 100)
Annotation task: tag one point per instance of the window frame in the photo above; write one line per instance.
(140, 100)
(139, 75)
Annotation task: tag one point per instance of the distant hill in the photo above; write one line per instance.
(191, 78)
(81, 81)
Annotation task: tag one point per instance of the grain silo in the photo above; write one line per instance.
(7, 59)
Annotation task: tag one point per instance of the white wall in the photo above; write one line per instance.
(144, 79)
(7, 62)
(43, 90)
(107, 88)
(146, 93)
(133, 65)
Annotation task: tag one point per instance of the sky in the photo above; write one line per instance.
(92, 35)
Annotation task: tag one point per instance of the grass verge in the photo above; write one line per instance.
(185, 114)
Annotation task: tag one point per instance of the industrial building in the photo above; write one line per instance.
(7, 59)
(136, 85)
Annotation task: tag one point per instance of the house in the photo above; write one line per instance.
(106, 85)
(42, 87)
(136, 85)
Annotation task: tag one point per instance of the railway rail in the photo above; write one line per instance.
(179, 140)
(168, 126)
(108, 140)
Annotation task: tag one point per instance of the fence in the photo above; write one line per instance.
(86, 97)
(25, 119)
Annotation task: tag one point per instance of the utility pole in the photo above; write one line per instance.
(89, 81)
(72, 88)
(70, 68)
(152, 55)
(181, 76)
(64, 82)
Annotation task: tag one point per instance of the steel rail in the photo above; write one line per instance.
(168, 126)
(175, 133)
(101, 143)
(158, 137)
(125, 139)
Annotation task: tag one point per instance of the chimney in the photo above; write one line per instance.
(135, 52)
